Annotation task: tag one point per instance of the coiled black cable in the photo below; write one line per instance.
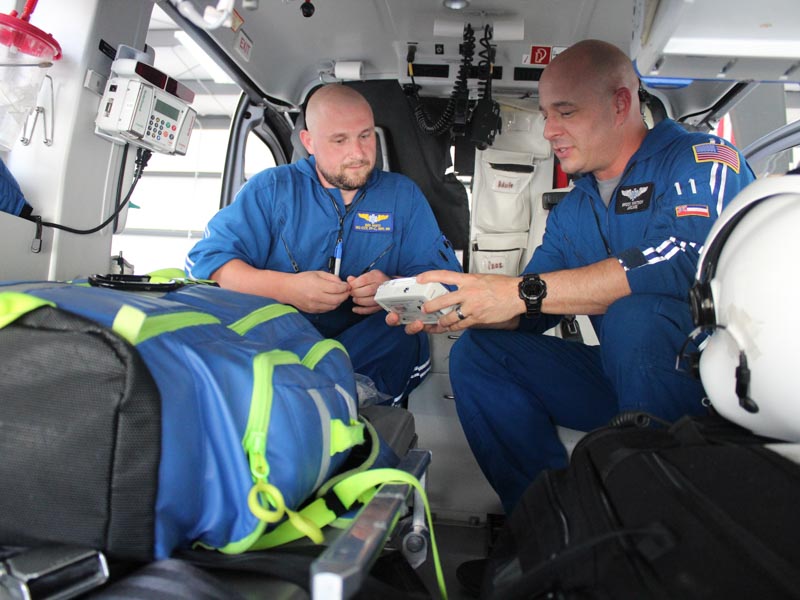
(636, 418)
(142, 157)
(460, 91)
(485, 64)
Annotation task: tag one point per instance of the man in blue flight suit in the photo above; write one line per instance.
(323, 233)
(622, 247)
(12, 199)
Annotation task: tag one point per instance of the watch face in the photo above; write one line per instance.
(533, 288)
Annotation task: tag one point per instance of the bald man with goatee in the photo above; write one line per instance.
(323, 233)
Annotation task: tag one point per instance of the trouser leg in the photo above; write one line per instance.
(396, 362)
(641, 336)
(511, 389)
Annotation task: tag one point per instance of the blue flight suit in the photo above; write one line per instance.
(283, 219)
(513, 387)
(12, 199)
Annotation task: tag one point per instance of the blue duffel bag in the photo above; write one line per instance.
(139, 423)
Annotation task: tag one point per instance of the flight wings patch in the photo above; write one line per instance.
(373, 222)
(633, 198)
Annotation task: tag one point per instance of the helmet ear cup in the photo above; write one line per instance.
(702, 303)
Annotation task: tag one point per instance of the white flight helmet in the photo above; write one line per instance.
(747, 292)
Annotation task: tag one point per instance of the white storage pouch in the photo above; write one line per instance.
(502, 198)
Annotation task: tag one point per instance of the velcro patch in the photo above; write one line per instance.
(718, 153)
(633, 198)
(373, 222)
(692, 210)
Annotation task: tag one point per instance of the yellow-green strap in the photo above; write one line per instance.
(174, 274)
(349, 490)
(319, 350)
(135, 326)
(345, 436)
(15, 304)
(261, 315)
(167, 274)
(375, 448)
(355, 486)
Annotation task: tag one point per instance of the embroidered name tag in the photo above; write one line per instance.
(633, 198)
(373, 222)
(692, 210)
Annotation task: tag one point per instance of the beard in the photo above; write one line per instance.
(346, 181)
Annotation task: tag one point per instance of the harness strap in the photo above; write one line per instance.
(15, 304)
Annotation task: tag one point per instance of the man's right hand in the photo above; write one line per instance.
(310, 291)
(316, 291)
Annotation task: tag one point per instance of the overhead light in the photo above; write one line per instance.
(751, 48)
(212, 68)
(455, 4)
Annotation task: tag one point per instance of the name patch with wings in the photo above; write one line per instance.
(633, 198)
(373, 222)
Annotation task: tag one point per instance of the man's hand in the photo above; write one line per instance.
(316, 291)
(362, 290)
(393, 319)
(482, 300)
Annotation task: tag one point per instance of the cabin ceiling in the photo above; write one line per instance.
(287, 54)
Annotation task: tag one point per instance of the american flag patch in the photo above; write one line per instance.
(712, 152)
(692, 210)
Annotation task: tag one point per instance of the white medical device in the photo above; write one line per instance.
(145, 107)
(405, 297)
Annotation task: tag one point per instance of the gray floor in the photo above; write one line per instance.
(458, 542)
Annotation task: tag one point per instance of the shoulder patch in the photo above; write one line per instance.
(633, 198)
(692, 210)
(718, 153)
(373, 222)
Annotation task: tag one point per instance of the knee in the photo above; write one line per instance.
(644, 328)
(472, 350)
(631, 320)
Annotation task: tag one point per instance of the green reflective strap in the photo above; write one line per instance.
(353, 487)
(15, 304)
(319, 350)
(348, 491)
(344, 436)
(375, 448)
(166, 274)
(261, 315)
(317, 512)
(136, 327)
(173, 274)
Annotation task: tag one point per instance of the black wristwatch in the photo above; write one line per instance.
(532, 290)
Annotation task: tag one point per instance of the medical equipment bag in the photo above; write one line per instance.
(702, 509)
(138, 423)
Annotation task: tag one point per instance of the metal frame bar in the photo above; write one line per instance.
(340, 570)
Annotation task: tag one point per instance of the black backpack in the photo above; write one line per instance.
(702, 509)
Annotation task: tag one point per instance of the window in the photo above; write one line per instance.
(177, 195)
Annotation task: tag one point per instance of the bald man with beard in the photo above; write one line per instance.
(323, 233)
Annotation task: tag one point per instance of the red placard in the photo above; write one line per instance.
(540, 55)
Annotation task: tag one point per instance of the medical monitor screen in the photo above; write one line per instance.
(167, 110)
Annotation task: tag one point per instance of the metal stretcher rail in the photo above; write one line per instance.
(340, 570)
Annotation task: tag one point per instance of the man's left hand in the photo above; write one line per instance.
(362, 290)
